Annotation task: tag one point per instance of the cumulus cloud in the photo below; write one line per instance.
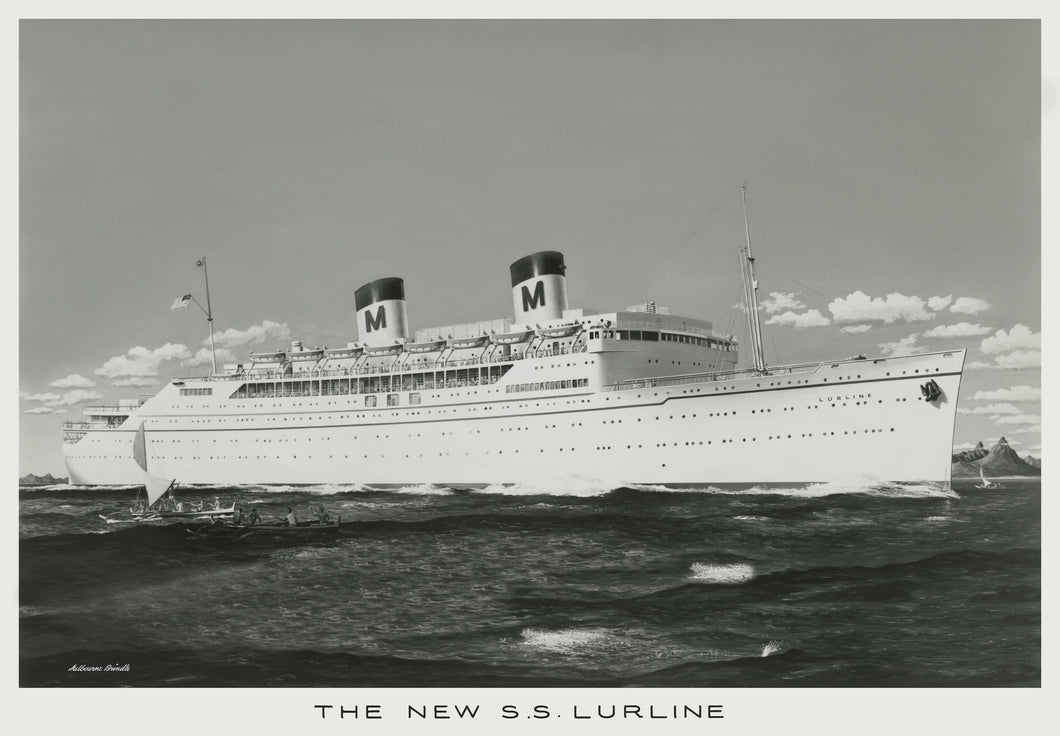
(44, 410)
(140, 361)
(961, 329)
(936, 303)
(78, 396)
(203, 357)
(970, 305)
(905, 346)
(810, 318)
(1020, 359)
(1016, 393)
(135, 382)
(267, 330)
(1019, 337)
(779, 300)
(74, 380)
(855, 329)
(45, 398)
(860, 307)
(994, 409)
(1020, 419)
(1033, 429)
(51, 400)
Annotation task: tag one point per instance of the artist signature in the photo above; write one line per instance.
(100, 668)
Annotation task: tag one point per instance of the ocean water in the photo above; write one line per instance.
(579, 586)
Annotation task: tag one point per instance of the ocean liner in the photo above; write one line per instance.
(637, 396)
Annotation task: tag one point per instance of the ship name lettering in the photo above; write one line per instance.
(374, 323)
(537, 299)
(626, 711)
(848, 397)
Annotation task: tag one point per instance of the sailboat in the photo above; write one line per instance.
(985, 483)
(156, 487)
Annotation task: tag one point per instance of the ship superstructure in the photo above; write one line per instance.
(636, 396)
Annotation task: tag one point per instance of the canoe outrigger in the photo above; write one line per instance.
(242, 531)
(204, 514)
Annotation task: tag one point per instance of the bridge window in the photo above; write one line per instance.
(196, 392)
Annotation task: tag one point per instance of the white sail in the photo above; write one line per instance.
(140, 449)
(982, 476)
(156, 487)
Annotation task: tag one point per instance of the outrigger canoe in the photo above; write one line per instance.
(204, 514)
(242, 531)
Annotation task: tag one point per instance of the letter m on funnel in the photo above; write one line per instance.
(376, 322)
(535, 300)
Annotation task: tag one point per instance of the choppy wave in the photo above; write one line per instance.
(69, 487)
(863, 486)
(585, 584)
(564, 640)
(831, 488)
(773, 647)
(584, 486)
(722, 574)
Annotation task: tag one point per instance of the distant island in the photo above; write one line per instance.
(1000, 460)
(40, 480)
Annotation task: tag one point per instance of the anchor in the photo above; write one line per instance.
(931, 391)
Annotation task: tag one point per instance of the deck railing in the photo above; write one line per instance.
(395, 370)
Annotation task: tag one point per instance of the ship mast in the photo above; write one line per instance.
(209, 313)
(747, 271)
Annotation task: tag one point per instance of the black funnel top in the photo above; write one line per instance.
(539, 264)
(379, 290)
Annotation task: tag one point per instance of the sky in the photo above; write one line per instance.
(893, 173)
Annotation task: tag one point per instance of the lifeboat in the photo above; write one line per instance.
(302, 356)
(273, 357)
(343, 352)
(469, 342)
(511, 338)
(430, 346)
(384, 349)
(561, 331)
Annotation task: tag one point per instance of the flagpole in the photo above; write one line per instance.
(209, 315)
(757, 352)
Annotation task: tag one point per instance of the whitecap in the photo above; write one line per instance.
(858, 486)
(773, 647)
(564, 640)
(573, 485)
(739, 572)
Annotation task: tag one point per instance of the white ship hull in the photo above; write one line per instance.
(858, 420)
